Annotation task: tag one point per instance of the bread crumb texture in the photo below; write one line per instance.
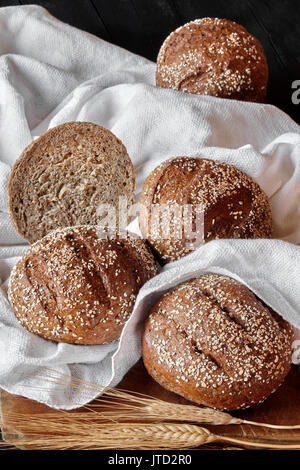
(62, 177)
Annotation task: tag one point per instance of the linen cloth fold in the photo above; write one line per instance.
(52, 73)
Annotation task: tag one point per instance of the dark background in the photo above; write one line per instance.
(141, 26)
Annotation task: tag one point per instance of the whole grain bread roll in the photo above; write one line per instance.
(212, 56)
(78, 285)
(188, 201)
(214, 342)
(63, 177)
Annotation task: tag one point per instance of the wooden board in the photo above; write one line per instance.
(282, 407)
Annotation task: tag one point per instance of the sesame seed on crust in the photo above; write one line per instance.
(76, 287)
(213, 56)
(214, 342)
(231, 203)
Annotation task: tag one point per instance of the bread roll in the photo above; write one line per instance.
(214, 342)
(219, 200)
(212, 56)
(62, 177)
(75, 287)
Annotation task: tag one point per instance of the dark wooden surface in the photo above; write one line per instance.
(141, 26)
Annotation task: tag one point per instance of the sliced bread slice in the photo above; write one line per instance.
(63, 177)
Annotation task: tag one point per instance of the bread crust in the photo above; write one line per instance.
(216, 57)
(78, 286)
(41, 195)
(230, 203)
(214, 342)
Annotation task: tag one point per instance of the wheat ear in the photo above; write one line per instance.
(75, 434)
(135, 406)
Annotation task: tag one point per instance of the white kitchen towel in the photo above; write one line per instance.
(51, 73)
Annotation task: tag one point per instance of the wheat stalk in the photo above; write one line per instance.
(118, 405)
(75, 434)
(123, 419)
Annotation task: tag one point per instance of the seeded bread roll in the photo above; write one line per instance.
(214, 342)
(75, 287)
(63, 176)
(216, 57)
(219, 200)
